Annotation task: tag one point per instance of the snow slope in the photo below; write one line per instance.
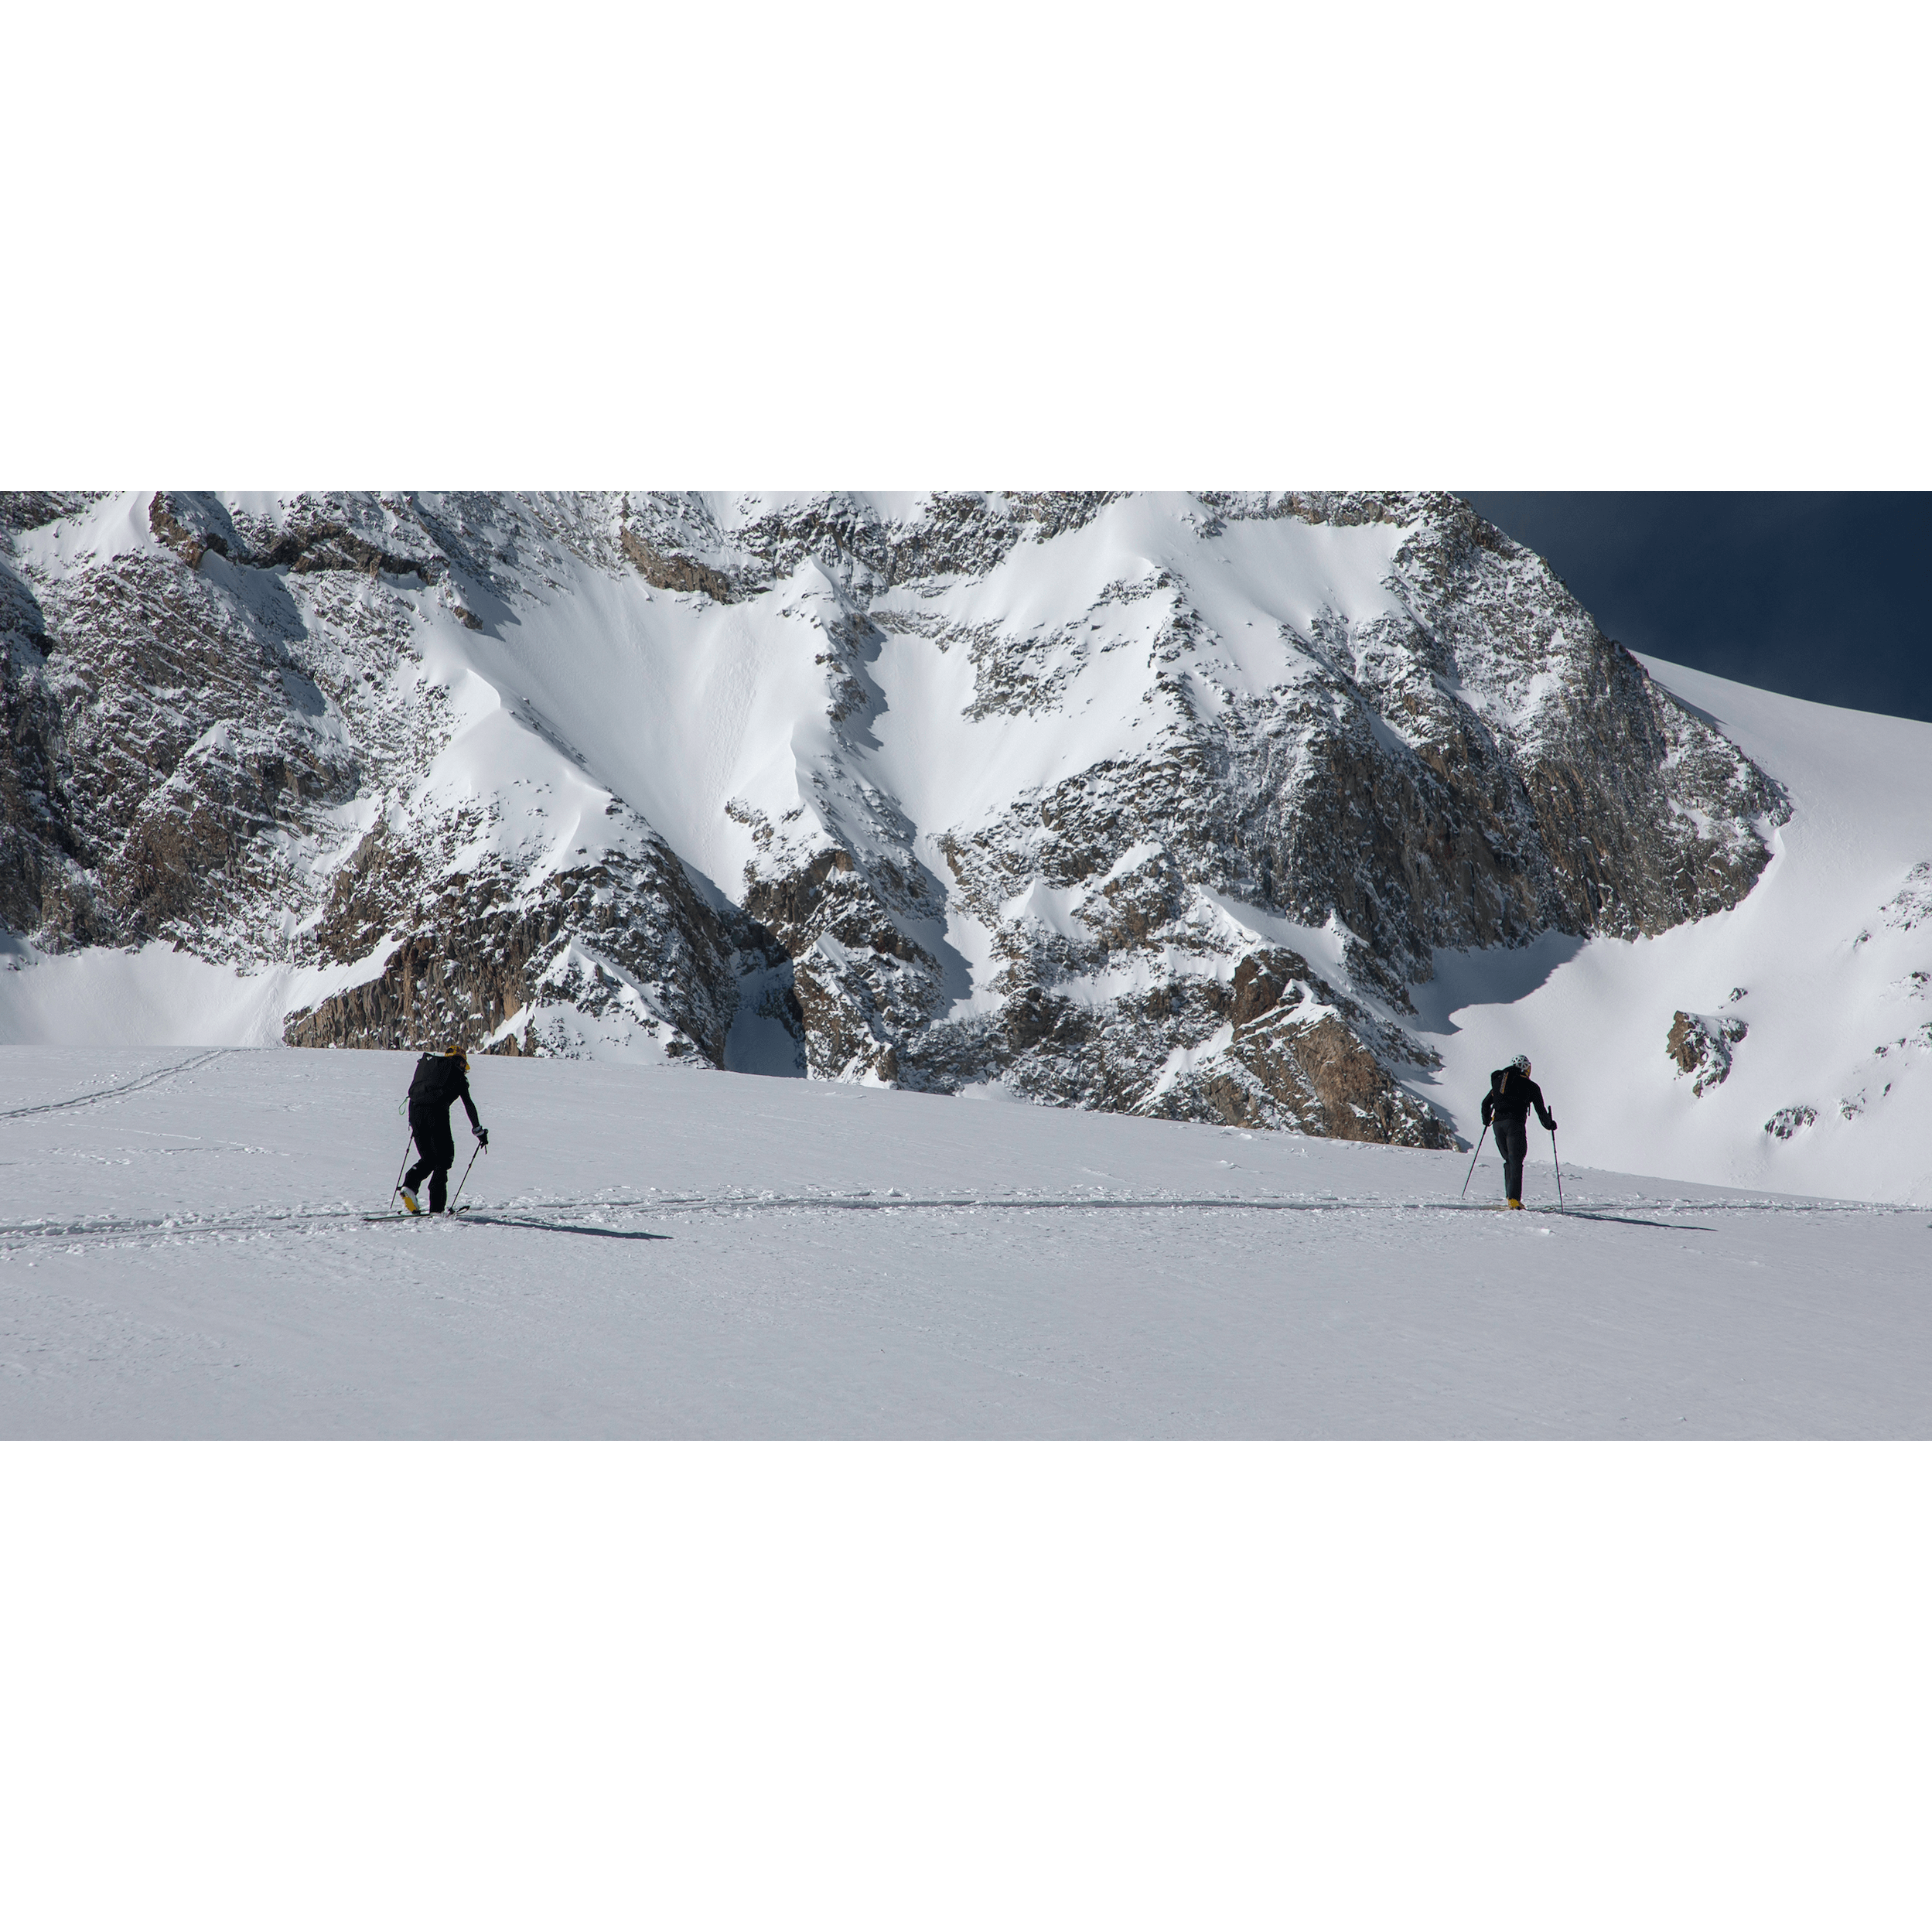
(679, 1254)
(1828, 962)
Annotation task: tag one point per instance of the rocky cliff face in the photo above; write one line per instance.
(1159, 804)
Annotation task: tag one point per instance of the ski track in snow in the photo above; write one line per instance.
(14, 1237)
(96, 1096)
(761, 1258)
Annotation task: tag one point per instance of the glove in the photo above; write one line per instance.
(483, 1136)
(1552, 1123)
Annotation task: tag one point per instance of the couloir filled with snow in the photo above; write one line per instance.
(661, 1251)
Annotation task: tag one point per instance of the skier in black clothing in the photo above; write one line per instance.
(441, 1080)
(1512, 1093)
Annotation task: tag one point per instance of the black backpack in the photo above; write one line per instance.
(437, 1080)
(1499, 1081)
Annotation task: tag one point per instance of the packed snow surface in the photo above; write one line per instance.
(662, 1252)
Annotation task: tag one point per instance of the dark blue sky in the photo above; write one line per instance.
(1821, 596)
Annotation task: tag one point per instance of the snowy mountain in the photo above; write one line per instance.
(1274, 810)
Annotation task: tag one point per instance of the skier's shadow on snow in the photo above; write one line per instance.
(1627, 1220)
(569, 1228)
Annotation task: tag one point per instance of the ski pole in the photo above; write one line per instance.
(1471, 1175)
(1559, 1168)
(458, 1196)
(404, 1168)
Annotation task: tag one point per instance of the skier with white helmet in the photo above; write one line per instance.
(1506, 1107)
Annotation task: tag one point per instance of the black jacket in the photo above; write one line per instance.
(1511, 1096)
(439, 1082)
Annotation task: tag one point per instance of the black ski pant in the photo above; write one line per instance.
(1512, 1143)
(437, 1147)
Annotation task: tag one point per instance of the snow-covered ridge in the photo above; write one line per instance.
(1160, 804)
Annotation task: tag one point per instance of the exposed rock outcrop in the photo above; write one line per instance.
(171, 757)
(1700, 1045)
(673, 572)
(1299, 1056)
(489, 959)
